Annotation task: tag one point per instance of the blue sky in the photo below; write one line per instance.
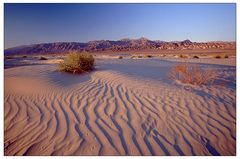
(40, 23)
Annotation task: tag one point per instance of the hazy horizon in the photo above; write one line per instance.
(27, 24)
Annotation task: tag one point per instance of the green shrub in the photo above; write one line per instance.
(43, 58)
(77, 63)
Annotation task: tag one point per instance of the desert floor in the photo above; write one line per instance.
(123, 107)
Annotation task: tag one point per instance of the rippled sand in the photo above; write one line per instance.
(124, 107)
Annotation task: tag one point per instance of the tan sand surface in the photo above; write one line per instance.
(124, 107)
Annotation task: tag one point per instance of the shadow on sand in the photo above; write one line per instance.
(65, 79)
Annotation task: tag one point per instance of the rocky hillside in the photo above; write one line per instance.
(116, 46)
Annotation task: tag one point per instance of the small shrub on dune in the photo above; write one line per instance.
(182, 56)
(133, 56)
(77, 63)
(192, 74)
(195, 57)
(217, 56)
(136, 57)
(24, 56)
(43, 58)
(149, 56)
(120, 57)
(226, 56)
(162, 55)
(9, 57)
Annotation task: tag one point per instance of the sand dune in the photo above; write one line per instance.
(124, 107)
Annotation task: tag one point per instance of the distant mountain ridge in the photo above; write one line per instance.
(117, 46)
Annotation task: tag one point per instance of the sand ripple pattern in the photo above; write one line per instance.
(113, 114)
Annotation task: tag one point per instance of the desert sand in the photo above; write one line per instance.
(123, 107)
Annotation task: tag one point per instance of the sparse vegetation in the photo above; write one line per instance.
(192, 74)
(182, 56)
(217, 56)
(149, 56)
(77, 63)
(9, 57)
(43, 58)
(195, 57)
(134, 56)
(164, 55)
(120, 57)
(226, 56)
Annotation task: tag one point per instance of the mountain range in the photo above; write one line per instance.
(117, 46)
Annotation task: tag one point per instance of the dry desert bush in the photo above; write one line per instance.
(148, 56)
(195, 57)
(42, 58)
(9, 57)
(217, 56)
(77, 63)
(135, 56)
(183, 56)
(192, 74)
